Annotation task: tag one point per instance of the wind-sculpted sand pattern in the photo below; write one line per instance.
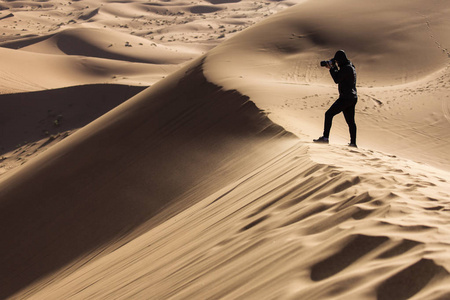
(303, 230)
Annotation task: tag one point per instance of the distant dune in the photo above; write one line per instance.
(164, 150)
(102, 43)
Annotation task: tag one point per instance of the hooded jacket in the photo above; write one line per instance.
(345, 76)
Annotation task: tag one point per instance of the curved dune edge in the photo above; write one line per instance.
(110, 177)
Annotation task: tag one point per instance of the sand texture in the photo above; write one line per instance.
(163, 150)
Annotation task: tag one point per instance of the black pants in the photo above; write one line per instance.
(347, 106)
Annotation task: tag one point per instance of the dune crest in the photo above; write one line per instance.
(135, 160)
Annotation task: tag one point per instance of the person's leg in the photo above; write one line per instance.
(336, 108)
(349, 114)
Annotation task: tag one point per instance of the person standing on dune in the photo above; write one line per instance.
(344, 74)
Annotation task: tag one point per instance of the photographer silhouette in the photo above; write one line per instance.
(344, 74)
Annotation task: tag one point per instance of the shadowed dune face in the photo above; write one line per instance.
(204, 9)
(409, 281)
(30, 117)
(116, 173)
(223, 1)
(359, 246)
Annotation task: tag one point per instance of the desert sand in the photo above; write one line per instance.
(163, 150)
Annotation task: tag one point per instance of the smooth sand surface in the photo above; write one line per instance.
(163, 150)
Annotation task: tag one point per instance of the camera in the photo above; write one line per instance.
(330, 62)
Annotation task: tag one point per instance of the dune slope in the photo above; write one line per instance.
(113, 175)
(291, 229)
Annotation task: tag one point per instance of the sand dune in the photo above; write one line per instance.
(133, 160)
(189, 191)
(26, 71)
(103, 43)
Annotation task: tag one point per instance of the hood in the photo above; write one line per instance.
(341, 57)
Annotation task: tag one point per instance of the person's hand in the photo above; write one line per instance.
(331, 64)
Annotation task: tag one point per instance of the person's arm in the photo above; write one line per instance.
(336, 74)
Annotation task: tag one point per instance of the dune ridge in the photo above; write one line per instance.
(134, 160)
